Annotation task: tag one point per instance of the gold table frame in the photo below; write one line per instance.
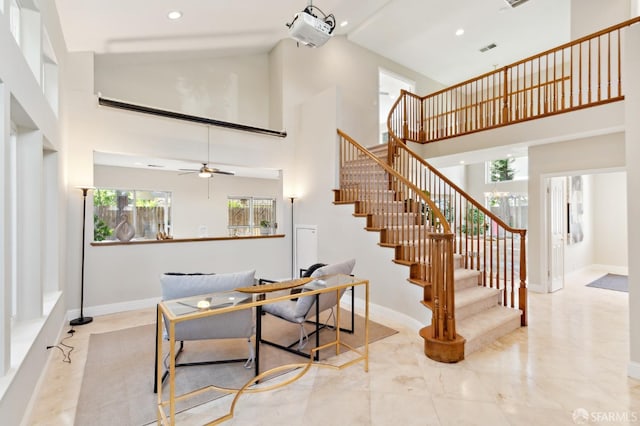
(174, 312)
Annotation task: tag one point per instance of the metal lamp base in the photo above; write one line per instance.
(81, 321)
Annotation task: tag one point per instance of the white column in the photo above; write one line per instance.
(52, 223)
(5, 276)
(29, 224)
(631, 85)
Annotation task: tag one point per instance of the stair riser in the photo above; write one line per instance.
(355, 194)
(392, 207)
(416, 253)
(370, 187)
(380, 221)
(466, 311)
(396, 235)
(467, 282)
(485, 339)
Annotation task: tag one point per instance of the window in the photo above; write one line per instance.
(248, 215)
(507, 169)
(149, 212)
(14, 20)
(511, 207)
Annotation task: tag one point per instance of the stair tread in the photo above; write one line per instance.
(485, 321)
(418, 282)
(470, 295)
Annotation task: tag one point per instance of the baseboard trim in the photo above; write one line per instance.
(380, 313)
(620, 270)
(633, 370)
(377, 312)
(114, 308)
(536, 288)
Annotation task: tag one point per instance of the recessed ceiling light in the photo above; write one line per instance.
(344, 23)
(174, 14)
(459, 31)
(461, 161)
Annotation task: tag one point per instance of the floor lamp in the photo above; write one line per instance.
(81, 320)
(293, 275)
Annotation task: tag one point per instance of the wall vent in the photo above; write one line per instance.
(515, 3)
(488, 47)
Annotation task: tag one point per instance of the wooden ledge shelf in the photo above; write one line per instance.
(181, 240)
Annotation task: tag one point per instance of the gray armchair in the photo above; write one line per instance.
(232, 325)
(303, 308)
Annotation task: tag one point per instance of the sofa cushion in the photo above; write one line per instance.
(345, 267)
(178, 286)
(223, 326)
(304, 303)
(285, 309)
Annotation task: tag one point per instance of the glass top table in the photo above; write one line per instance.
(172, 312)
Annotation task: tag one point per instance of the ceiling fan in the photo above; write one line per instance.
(205, 171)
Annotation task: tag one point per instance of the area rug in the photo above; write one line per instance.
(117, 385)
(611, 282)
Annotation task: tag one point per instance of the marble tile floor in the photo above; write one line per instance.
(567, 367)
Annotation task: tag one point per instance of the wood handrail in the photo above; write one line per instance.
(422, 236)
(401, 178)
(458, 189)
(585, 72)
(532, 57)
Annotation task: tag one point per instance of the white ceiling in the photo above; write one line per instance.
(419, 34)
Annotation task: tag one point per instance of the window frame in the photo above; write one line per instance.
(253, 227)
(133, 197)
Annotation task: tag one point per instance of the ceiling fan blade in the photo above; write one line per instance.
(188, 173)
(188, 170)
(222, 172)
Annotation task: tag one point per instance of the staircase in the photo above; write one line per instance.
(388, 208)
(470, 264)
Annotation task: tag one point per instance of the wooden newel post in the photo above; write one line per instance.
(522, 290)
(441, 343)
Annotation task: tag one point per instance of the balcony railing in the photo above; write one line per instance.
(579, 74)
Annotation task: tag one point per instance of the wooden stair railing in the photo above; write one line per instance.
(425, 242)
(485, 242)
(583, 73)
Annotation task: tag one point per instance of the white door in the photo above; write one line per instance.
(556, 218)
(306, 247)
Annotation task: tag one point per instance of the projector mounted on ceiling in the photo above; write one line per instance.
(308, 29)
(515, 3)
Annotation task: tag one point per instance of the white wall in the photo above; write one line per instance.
(234, 89)
(351, 68)
(632, 151)
(457, 175)
(582, 254)
(589, 16)
(609, 208)
(579, 156)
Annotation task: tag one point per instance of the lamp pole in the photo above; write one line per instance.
(81, 320)
(293, 275)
